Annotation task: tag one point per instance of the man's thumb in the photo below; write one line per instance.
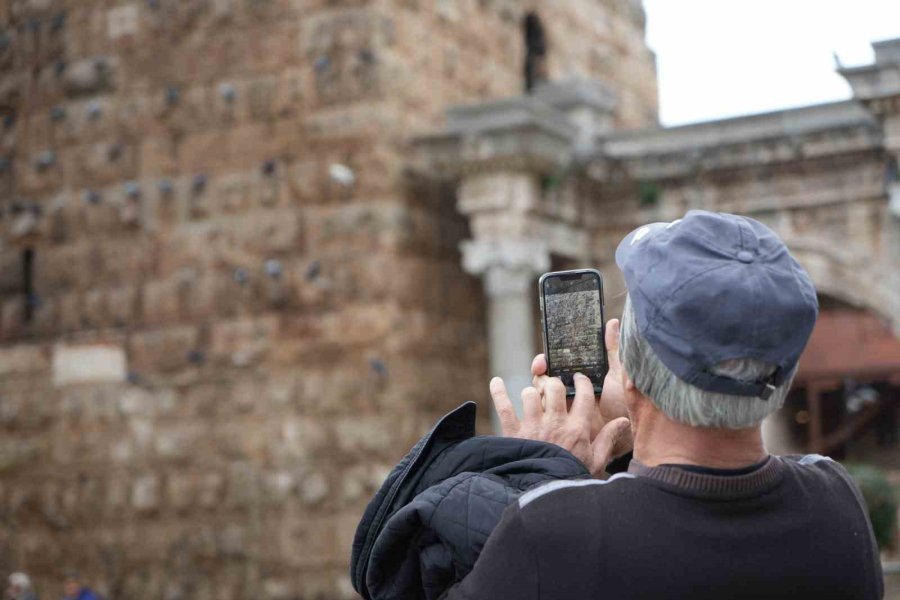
(605, 442)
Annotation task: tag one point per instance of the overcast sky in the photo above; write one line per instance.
(722, 58)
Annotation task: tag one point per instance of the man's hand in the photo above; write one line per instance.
(594, 432)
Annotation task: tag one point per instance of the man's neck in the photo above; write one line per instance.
(660, 440)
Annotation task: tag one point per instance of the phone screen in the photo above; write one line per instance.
(574, 326)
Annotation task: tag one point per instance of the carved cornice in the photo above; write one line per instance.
(877, 85)
(515, 134)
(689, 160)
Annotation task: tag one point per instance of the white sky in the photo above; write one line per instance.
(722, 58)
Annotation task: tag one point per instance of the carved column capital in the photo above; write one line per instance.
(507, 266)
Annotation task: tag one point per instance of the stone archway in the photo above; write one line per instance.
(836, 275)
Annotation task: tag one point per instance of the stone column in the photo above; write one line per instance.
(510, 270)
(499, 153)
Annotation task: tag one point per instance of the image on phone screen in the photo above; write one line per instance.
(573, 317)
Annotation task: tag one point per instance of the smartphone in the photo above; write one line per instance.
(574, 326)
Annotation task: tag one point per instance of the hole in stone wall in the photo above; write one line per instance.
(28, 284)
(535, 51)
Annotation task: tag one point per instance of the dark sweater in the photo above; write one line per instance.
(793, 528)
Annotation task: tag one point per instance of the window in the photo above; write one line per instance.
(535, 52)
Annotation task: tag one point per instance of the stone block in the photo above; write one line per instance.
(103, 164)
(89, 76)
(243, 485)
(161, 301)
(306, 542)
(210, 489)
(200, 295)
(291, 91)
(203, 152)
(232, 542)
(360, 482)
(276, 589)
(159, 156)
(261, 98)
(278, 486)
(162, 350)
(122, 21)
(180, 491)
(243, 342)
(69, 311)
(269, 231)
(299, 438)
(241, 440)
(177, 443)
(61, 267)
(44, 319)
(22, 360)
(145, 493)
(95, 363)
(365, 434)
(133, 401)
(314, 488)
(121, 304)
(93, 309)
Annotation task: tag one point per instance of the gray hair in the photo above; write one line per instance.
(21, 581)
(683, 402)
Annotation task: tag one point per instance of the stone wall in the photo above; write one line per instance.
(226, 308)
(238, 320)
(816, 175)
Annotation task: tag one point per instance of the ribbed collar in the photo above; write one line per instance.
(724, 487)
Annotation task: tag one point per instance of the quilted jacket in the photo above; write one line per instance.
(426, 526)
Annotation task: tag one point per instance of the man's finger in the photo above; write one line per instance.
(555, 396)
(540, 382)
(583, 404)
(509, 423)
(531, 404)
(613, 330)
(605, 442)
(539, 365)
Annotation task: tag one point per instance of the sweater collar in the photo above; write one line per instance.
(724, 487)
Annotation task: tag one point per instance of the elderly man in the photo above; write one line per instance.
(75, 589)
(716, 318)
(19, 587)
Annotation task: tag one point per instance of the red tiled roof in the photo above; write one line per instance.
(850, 343)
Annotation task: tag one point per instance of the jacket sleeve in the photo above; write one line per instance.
(506, 568)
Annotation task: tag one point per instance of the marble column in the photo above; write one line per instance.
(510, 270)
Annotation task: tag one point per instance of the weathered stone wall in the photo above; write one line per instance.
(280, 334)
(225, 308)
(459, 51)
(817, 176)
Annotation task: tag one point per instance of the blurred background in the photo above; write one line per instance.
(250, 250)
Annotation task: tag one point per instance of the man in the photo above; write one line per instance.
(19, 587)
(74, 589)
(716, 318)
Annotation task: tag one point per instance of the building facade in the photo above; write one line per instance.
(250, 251)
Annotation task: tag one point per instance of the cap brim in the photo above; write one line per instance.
(632, 242)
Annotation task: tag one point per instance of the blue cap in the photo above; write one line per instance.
(712, 287)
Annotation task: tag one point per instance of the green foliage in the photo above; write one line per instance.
(881, 501)
(648, 192)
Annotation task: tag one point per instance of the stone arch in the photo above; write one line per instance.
(847, 280)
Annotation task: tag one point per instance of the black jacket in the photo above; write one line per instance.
(428, 523)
